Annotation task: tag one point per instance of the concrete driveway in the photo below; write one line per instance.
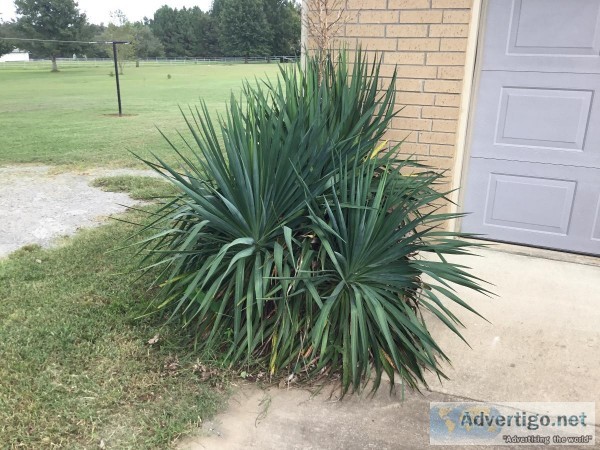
(543, 344)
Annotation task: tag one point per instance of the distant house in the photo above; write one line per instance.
(15, 55)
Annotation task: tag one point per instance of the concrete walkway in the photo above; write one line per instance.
(543, 344)
(296, 419)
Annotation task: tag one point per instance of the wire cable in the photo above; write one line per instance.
(62, 42)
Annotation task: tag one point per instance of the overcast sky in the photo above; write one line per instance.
(99, 11)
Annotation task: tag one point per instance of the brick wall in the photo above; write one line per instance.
(427, 40)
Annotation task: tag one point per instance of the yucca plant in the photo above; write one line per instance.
(371, 277)
(294, 244)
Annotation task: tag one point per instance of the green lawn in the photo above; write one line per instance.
(76, 368)
(64, 118)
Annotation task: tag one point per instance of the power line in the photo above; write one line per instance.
(62, 42)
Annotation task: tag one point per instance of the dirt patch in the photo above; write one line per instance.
(38, 205)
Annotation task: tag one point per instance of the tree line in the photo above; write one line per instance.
(231, 28)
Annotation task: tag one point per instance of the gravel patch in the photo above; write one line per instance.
(38, 205)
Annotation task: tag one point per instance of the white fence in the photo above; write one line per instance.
(98, 62)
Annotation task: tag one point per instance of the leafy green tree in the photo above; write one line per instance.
(167, 28)
(206, 41)
(52, 20)
(209, 27)
(189, 22)
(285, 18)
(96, 32)
(125, 52)
(145, 44)
(185, 32)
(244, 29)
(232, 27)
(216, 7)
(5, 46)
(141, 41)
(6, 30)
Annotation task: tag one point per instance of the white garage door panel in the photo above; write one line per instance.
(538, 117)
(543, 35)
(531, 203)
(534, 172)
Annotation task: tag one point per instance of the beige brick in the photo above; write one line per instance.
(406, 123)
(417, 72)
(367, 4)
(412, 111)
(418, 44)
(421, 17)
(384, 83)
(412, 98)
(397, 135)
(453, 45)
(406, 58)
(451, 73)
(408, 4)
(377, 44)
(436, 112)
(451, 31)
(406, 31)
(442, 150)
(447, 100)
(446, 59)
(337, 43)
(409, 85)
(411, 136)
(445, 126)
(351, 16)
(444, 209)
(410, 148)
(456, 4)
(439, 162)
(443, 86)
(427, 137)
(457, 16)
(365, 30)
(378, 17)
(387, 71)
(444, 187)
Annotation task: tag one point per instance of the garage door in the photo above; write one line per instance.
(534, 171)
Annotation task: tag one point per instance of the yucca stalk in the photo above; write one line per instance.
(291, 247)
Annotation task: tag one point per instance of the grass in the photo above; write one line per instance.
(77, 370)
(139, 188)
(65, 118)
